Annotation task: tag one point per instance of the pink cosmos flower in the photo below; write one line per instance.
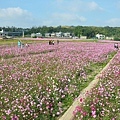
(0, 86)
(15, 117)
(94, 114)
(3, 117)
(81, 100)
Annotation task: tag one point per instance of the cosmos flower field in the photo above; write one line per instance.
(103, 102)
(41, 81)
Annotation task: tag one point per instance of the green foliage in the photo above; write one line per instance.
(89, 31)
(117, 39)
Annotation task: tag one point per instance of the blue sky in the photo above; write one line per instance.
(34, 13)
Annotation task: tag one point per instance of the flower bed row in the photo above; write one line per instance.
(43, 86)
(103, 102)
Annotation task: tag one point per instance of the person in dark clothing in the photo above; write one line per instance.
(57, 41)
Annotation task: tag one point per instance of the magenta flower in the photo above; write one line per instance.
(81, 100)
(93, 114)
(15, 117)
(0, 86)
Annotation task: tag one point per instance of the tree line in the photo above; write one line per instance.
(89, 31)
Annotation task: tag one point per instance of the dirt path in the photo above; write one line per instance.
(68, 115)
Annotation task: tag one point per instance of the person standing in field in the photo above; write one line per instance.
(57, 41)
(19, 43)
(53, 42)
(49, 42)
(26, 45)
(116, 46)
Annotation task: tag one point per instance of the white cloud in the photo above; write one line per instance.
(77, 5)
(94, 6)
(72, 12)
(13, 12)
(63, 19)
(67, 12)
(15, 17)
(81, 18)
(66, 19)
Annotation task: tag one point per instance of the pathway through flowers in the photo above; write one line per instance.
(76, 106)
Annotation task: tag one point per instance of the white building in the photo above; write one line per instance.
(47, 34)
(3, 33)
(109, 38)
(36, 35)
(100, 36)
(67, 34)
(59, 34)
(33, 35)
(53, 35)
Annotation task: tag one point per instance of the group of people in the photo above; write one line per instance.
(51, 42)
(21, 45)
